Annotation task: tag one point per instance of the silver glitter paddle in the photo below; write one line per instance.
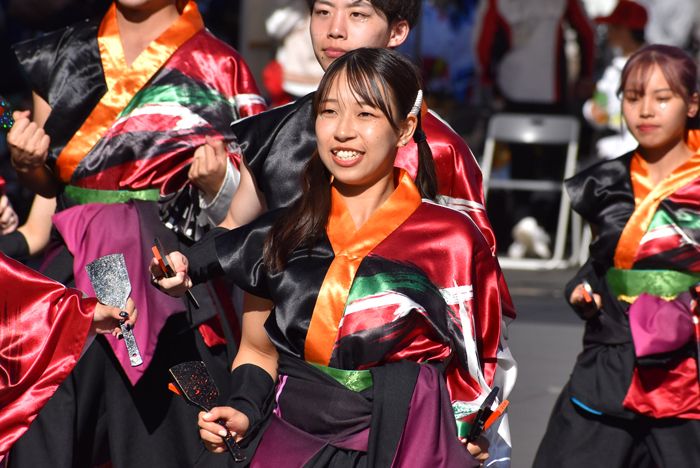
(110, 280)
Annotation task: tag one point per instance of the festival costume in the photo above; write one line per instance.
(359, 300)
(621, 396)
(124, 139)
(43, 330)
(278, 143)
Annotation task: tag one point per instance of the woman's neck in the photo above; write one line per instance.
(138, 28)
(363, 202)
(664, 160)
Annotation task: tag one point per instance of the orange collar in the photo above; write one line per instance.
(123, 83)
(647, 199)
(351, 246)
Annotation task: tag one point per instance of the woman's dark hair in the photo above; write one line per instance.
(678, 68)
(383, 79)
(394, 10)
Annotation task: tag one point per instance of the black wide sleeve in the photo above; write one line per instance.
(54, 60)
(65, 70)
(203, 262)
(237, 253)
(597, 189)
(240, 254)
(257, 134)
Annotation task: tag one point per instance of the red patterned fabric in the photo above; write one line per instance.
(666, 392)
(43, 328)
(460, 183)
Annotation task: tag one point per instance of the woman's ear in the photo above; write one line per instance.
(693, 105)
(406, 130)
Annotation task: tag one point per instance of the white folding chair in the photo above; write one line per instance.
(537, 129)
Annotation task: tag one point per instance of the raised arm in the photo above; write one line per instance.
(248, 202)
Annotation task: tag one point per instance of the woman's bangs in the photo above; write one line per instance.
(636, 78)
(369, 89)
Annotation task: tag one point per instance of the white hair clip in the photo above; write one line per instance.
(415, 110)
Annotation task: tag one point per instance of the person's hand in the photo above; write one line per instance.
(479, 448)
(107, 319)
(8, 218)
(578, 300)
(28, 143)
(179, 284)
(212, 433)
(208, 170)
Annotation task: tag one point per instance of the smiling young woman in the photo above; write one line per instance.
(351, 311)
(633, 398)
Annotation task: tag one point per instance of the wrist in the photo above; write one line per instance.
(251, 391)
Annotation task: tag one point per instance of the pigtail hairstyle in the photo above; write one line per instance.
(426, 177)
(380, 78)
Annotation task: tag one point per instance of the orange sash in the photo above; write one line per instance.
(647, 199)
(350, 247)
(123, 83)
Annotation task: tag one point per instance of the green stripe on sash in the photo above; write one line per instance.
(184, 95)
(85, 195)
(356, 380)
(660, 283)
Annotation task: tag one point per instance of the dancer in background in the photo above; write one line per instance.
(633, 398)
(152, 84)
(604, 110)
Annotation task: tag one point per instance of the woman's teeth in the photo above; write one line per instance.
(346, 155)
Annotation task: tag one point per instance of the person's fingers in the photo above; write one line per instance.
(598, 300)
(217, 145)
(178, 261)
(197, 163)
(577, 295)
(133, 313)
(21, 119)
(16, 135)
(7, 218)
(44, 143)
(213, 430)
(479, 448)
(37, 134)
(155, 269)
(170, 284)
(19, 115)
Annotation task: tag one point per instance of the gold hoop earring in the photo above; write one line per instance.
(331, 180)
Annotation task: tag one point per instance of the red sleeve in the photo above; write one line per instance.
(579, 20)
(485, 313)
(460, 183)
(43, 328)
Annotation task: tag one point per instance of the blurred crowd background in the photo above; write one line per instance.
(479, 57)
